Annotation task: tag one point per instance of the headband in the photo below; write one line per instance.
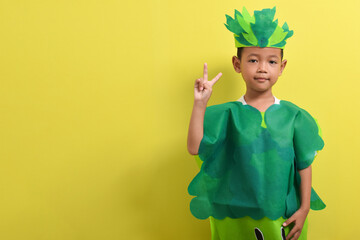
(259, 30)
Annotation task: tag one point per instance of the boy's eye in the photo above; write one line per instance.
(273, 62)
(252, 60)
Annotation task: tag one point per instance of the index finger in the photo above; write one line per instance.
(216, 78)
(205, 72)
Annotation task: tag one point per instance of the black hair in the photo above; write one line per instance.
(239, 51)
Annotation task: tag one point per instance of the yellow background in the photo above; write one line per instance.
(96, 97)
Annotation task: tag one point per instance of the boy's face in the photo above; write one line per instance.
(260, 67)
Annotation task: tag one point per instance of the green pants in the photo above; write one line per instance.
(247, 228)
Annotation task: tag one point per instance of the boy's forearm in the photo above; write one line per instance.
(196, 127)
(305, 188)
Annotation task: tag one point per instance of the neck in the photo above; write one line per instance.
(258, 96)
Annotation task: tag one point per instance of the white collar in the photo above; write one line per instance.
(242, 99)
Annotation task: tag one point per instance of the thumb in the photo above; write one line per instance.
(287, 222)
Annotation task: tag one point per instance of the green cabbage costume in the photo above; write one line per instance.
(249, 168)
(249, 182)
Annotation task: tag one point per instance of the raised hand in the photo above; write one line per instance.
(203, 87)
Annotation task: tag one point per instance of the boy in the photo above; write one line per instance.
(256, 153)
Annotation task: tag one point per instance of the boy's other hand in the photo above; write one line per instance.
(203, 87)
(298, 218)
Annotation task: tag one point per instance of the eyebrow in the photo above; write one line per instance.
(257, 55)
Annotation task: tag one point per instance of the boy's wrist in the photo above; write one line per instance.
(200, 104)
(305, 208)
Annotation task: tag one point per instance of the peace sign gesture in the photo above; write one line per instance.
(203, 87)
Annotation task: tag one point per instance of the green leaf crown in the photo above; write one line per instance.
(259, 30)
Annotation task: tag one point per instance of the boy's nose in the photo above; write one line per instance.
(261, 67)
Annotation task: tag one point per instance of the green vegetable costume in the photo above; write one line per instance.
(249, 173)
(249, 182)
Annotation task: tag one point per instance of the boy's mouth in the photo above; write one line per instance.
(261, 79)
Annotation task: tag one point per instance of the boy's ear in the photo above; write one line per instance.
(282, 67)
(236, 64)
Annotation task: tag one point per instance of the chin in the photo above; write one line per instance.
(261, 90)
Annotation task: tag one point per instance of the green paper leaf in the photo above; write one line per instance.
(244, 24)
(279, 45)
(233, 25)
(289, 34)
(285, 27)
(242, 42)
(247, 16)
(277, 36)
(251, 38)
(237, 13)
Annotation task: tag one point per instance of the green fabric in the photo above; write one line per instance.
(259, 30)
(249, 170)
(263, 124)
(244, 229)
